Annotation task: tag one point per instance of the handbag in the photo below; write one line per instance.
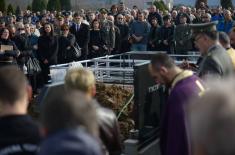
(74, 52)
(33, 66)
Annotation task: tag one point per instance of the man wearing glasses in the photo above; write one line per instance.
(216, 60)
(124, 34)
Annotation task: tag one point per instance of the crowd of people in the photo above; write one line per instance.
(72, 120)
(51, 37)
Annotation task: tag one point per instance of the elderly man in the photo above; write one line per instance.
(183, 85)
(226, 24)
(154, 13)
(216, 60)
(206, 18)
(124, 34)
(182, 10)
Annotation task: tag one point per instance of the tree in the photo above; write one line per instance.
(10, 9)
(197, 5)
(39, 5)
(54, 5)
(18, 10)
(160, 5)
(65, 5)
(43, 5)
(226, 4)
(29, 7)
(2, 5)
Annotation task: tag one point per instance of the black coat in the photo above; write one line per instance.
(19, 131)
(48, 49)
(96, 40)
(25, 52)
(165, 33)
(64, 43)
(123, 39)
(155, 15)
(108, 33)
(82, 36)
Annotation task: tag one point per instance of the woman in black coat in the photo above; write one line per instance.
(47, 50)
(66, 41)
(97, 45)
(10, 53)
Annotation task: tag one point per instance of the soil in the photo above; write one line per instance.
(111, 96)
(115, 98)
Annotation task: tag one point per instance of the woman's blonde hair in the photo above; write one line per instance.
(80, 79)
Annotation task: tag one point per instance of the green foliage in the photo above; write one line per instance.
(29, 7)
(160, 5)
(65, 5)
(54, 5)
(18, 10)
(43, 5)
(10, 9)
(39, 5)
(2, 6)
(226, 4)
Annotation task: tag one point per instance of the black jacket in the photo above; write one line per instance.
(109, 129)
(19, 131)
(48, 49)
(25, 52)
(82, 36)
(155, 15)
(64, 43)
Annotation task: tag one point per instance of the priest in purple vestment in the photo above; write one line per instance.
(183, 85)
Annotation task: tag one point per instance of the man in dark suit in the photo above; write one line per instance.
(216, 61)
(82, 34)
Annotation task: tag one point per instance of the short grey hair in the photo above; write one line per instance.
(224, 38)
(212, 119)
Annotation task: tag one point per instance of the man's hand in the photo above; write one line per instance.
(96, 48)
(35, 47)
(165, 42)
(45, 61)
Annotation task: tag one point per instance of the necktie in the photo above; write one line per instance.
(77, 27)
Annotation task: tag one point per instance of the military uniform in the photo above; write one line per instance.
(107, 32)
(183, 39)
(57, 28)
(216, 61)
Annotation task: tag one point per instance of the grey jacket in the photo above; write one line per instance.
(217, 62)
